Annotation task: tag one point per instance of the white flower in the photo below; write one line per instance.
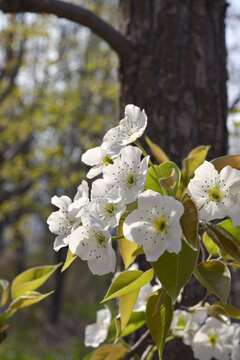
(236, 342)
(95, 334)
(68, 217)
(92, 243)
(179, 323)
(99, 157)
(216, 194)
(130, 128)
(155, 224)
(196, 320)
(107, 203)
(143, 296)
(128, 173)
(212, 340)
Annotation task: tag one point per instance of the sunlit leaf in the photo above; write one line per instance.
(216, 277)
(230, 310)
(30, 298)
(158, 153)
(126, 305)
(174, 270)
(7, 314)
(194, 159)
(159, 318)
(232, 160)
(233, 232)
(127, 248)
(210, 245)
(127, 282)
(4, 291)
(31, 279)
(69, 259)
(136, 321)
(109, 352)
(223, 240)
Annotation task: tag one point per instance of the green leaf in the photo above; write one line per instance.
(215, 276)
(217, 311)
(136, 321)
(152, 180)
(127, 282)
(210, 245)
(158, 153)
(29, 298)
(126, 305)
(221, 162)
(174, 270)
(31, 279)
(170, 176)
(69, 259)
(109, 352)
(233, 232)
(159, 318)
(7, 314)
(230, 310)
(4, 291)
(222, 239)
(127, 248)
(189, 222)
(194, 159)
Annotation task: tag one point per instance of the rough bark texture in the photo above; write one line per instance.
(177, 71)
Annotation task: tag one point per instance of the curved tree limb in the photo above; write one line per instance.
(119, 43)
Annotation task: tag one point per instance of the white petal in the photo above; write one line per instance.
(95, 171)
(82, 244)
(61, 202)
(94, 156)
(154, 249)
(95, 335)
(82, 191)
(104, 317)
(58, 223)
(105, 262)
(59, 243)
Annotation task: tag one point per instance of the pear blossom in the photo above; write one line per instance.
(91, 242)
(213, 340)
(95, 334)
(128, 173)
(107, 203)
(143, 296)
(99, 157)
(195, 322)
(179, 323)
(130, 128)
(68, 217)
(155, 224)
(235, 355)
(216, 194)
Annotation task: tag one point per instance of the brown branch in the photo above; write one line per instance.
(119, 43)
(234, 103)
(142, 343)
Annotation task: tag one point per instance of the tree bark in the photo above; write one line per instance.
(177, 72)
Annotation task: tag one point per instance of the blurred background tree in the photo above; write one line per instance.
(58, 96)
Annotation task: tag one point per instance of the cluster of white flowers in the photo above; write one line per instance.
(84, 224)
(209, 337)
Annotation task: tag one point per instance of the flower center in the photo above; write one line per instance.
(101, 239)
(215, 194)
(110, 209)
(131, 180)
(161, 225)
(106, 161)
(212, 339)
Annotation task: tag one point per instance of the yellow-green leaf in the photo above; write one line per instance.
(221, 162)
(31, 279)
(127, 248)
(152, 180)
(230, 310)
(223, 240)
(158, 153)
(189, 222)
(215, 276)
(7, 314)
(194, 159)
(69, 259)
(136, 321)
(30, 298)
(4, 291)
(109, 352)
(126, 305)
(233, 232)
(127, 282)
(210, 245)
(159, 318)
(174, 270)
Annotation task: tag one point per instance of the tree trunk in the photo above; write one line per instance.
(177, 72)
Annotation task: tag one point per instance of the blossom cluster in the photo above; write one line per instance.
(85, 224)
(208, 336)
